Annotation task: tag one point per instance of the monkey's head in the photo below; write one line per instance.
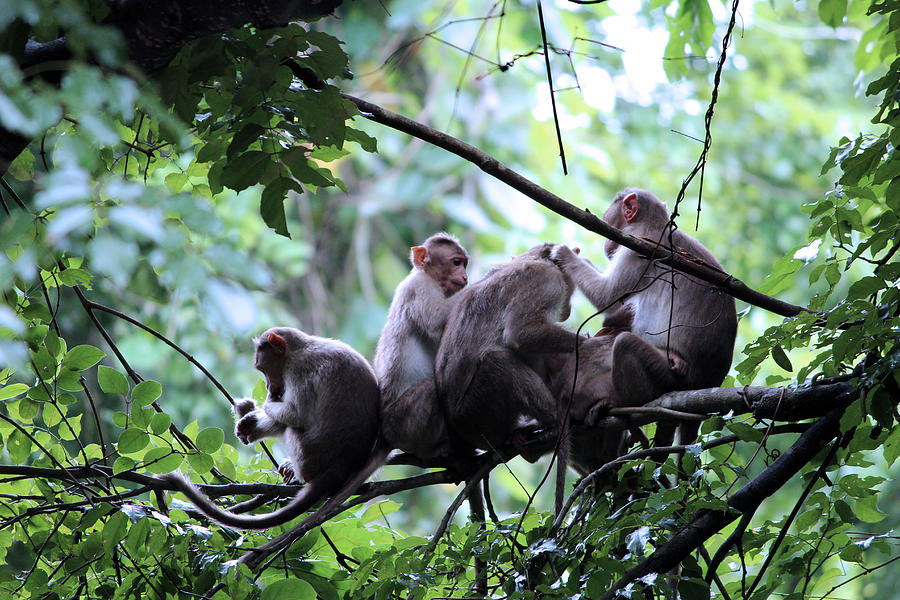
(444, 260)
(269, 359)
(539, 252)
(631, 207)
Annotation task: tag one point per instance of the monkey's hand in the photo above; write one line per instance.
(246, 427)
(244, 406)
(562, 255)
(597, 412)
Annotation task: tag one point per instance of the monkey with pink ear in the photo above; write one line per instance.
(404, 357)
(682, 328)
(323, 401)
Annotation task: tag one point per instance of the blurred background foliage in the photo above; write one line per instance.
(184, 241)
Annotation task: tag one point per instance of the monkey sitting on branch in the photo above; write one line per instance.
(682, 330)
(323, 402)
(411, 419)
(489, 369)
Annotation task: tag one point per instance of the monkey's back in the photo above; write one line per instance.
(344, 406)
(703, 317)
(477, 322)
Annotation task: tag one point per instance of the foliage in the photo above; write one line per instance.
(153, 195)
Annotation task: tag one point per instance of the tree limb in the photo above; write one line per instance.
(585, 218)
(707, 522)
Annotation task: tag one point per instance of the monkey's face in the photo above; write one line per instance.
(270, 359)
(446, 265)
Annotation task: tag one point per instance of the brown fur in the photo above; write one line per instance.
(489, 367)
(694, 350)
(404, 356)
(323, 401)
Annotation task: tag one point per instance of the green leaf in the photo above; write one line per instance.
(73, 277)
(245, 170)
(289, 589)
(201, 463)
(133, 440)
(867, 510)
(122, 464)
(159, 423)
(162, 460)
(365, 141)
(272, 204)
(745, 431)
(114, 531)
(111, 381)
(210, 439)
(146, 392)
(82, 357)
(781, 359)
(11, 391)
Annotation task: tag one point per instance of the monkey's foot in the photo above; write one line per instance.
(533, 443)
(286, 470)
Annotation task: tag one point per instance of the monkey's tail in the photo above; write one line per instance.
(304, 499)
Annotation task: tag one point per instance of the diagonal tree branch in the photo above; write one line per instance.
(707, 522)
(583, 217)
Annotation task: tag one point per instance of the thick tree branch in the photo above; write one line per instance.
(585, 218)
(782, 404)
(707, 522)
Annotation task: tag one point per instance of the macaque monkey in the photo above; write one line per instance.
(589, 400)
(490, 363)
(404, 357)
(682, 330)
(323, 401)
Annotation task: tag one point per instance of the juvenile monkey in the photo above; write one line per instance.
(323, 401)
(683, 329)
(588, 401)
(490, 363)
(404, 357)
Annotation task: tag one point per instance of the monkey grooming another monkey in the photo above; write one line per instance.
(323, 401)
(683, 329)
(490, 363)
(404, 357)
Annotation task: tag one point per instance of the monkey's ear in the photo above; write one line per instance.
(278, 343)
(418, 256)
(630, 207)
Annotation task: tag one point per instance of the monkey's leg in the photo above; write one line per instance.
(414, 423)
(642, 372)
(476, 507)
(507, 406)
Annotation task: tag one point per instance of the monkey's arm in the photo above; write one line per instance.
(256, 425)
(604, 288)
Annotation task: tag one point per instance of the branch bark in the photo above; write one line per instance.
(583, 217)
(707, 522)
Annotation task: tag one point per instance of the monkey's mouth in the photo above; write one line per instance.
(276, 393)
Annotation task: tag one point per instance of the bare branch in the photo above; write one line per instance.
(585, 218)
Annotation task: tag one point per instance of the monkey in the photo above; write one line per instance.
(682, 330)
(404, 355)
(589, 400)
(323, 400)
(489, 366)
